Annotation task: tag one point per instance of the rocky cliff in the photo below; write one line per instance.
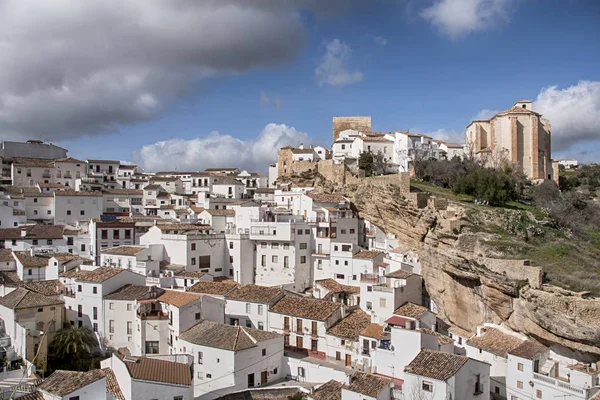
(468, 279)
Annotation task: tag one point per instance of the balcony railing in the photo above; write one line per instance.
(560, 384)
(153, 315)
(382, 288)
(46, 176)
(369, 278)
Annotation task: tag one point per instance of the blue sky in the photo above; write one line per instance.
(428, 66)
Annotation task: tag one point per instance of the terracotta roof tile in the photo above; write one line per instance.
(333, 286)
(77, 193)
(331, 390)
(124, 192)
(190, 274)
(104, 161)
(156, 370)
(10, 278)
(227, 180)
(97, 275)
(133, 292)
(33, 162)
(226, 212)
(399, 274)
(442, 339)
(528, 349)
(351, 326)
(183, 227)
(52, 185)
(226, 337)
(495, 341)
(436, 364)
(369, 385)
(21, 298)
(304, 307)
(178, 299)
(30, 261)
(6, 255)
(327, 198)
(62, 383)
(411, 310)
(33, 232)
(255, 293)
(373, 331)
(112, 385)
(124, 250)
(47, 288)
(367, 254)
(216, 288)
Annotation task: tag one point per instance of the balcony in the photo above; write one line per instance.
(382, 287)
(283, 231)
(560, 385)
(369, 277)
(46, 176)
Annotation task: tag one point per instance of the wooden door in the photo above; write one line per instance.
(263, 378)
(299, 342)
(348, 360)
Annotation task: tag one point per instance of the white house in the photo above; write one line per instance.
(304, 322)
(73, 385)
(231, 358)
(343, 338)
(437, 375)
(109, 234)
(160, 378)
(70, 206)
(248, 305)
(40, 237)
(144, 260)
(228, 187)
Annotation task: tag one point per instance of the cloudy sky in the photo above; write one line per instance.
(190, 84)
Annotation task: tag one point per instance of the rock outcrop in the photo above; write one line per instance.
(468, 281)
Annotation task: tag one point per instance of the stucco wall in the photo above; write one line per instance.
(362, 124)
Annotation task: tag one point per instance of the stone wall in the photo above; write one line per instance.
(402, 180)
(340, 124)
(517, 270)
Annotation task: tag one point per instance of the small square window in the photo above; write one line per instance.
(264, 352)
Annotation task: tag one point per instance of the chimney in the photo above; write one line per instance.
(23, 233)
(301, 146)
(31, 251)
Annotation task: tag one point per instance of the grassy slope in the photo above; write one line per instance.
(524, 232)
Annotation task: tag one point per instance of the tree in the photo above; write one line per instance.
(74, 345)
(371, 163)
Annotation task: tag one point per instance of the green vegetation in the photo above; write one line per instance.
(558, 230)
(371, 163)
(73, 349)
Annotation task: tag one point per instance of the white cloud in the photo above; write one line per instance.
(380, 40)
(70, 67)
(574, 113)
(444, 135)
(267, 100)
(334, 68)
(458, 18)
(217, 149)
(484, 114)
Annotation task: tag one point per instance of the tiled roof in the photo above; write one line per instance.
(33, 232)
(373, 331)
(305, 307)
(303, 151)
(327, 198)
(197, 209)
(32, 396)
(376, 139)
(367, 254)
(190, 274)
(454, 145)
(399, 274)
(183, 227)
(112, 385)
(411, 310)
(442, 339)
(10, 278)
(30, 261)
(33, 162)
(334, 286)
(208, 287)
(47, 288)
(124, 250)
(131, 292)
(232, 169)
(368, 384)
(153, 187)
(331, 390)
(132, 192)
(495, 341)
(22, 298)
(226, 337)
(226, 212)
(95, 193)
(351, 326)
(177, 298)
(265, 190)
(97, 275)
(436, 364)
(6, 255)
(66, 256)
(528, 349)
(460, 332)
(255, 293)
(227, 180)
(51, 185)
(156, 370)
(62, 383)
(163, 179)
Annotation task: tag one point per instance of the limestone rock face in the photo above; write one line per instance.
(466, 291)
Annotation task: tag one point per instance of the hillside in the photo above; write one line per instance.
(472, 261)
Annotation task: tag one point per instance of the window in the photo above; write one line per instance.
(68, 212)
(260, 309)
(274, 259)
(209, 375)
(346, 263)
(129, 307)
(193, 246)
(34, 242)
(519, 385)
(307, 231)
(263, 261)
(369, 305)
(200, 357)
(127, 233)
(35, 212)
(180, 397)
(343, 231)
(538, 394)
(74, 398)
(459, 340)
(382, 302)
(231, 259)
(352, 231)
(79, 310)
(261, 326)
(520, 366)
(82, 212)
(111, 326)
(29, 271)
(152, 347)
(286, 246)
(248, 308)
(79, 289)
(111, 306)
(298, 325)
(274, 245)
(231, 245)
(95, 327)
(264, 352)
(48, 212)
(303, 246)
(299, 231)
(193, 260)
(302, 259)
(115, 234)
(427, 386)
(204, 261)
(95, 313)
(339, 276)
(82, 247)
(337, 262)
(478, 385)
(197, 316)
(263, 245)
(95, 290)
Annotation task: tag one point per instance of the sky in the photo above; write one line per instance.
(191, 84)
